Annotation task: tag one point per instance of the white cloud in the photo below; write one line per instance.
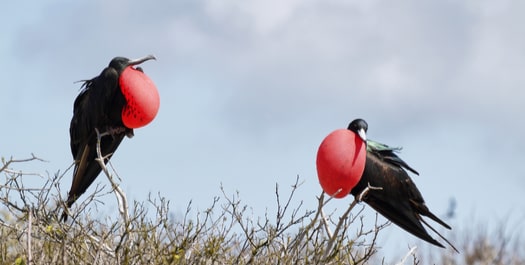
(264, 15)
(248, 87)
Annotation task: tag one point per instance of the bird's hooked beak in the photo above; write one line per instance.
(141, 60)
(362, 134)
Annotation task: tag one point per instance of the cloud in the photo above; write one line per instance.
(263, 16)
(249, 88)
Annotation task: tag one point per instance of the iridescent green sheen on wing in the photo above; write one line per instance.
(388, 154)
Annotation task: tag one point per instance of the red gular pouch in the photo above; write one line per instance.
(340, 162)
(142, 98)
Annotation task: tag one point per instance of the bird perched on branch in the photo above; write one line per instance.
(398, 199)
(109, 107)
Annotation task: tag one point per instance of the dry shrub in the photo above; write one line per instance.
(225, 233)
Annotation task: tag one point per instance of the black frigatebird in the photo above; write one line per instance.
(115, 102)
(399, 200)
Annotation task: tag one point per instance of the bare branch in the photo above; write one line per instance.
(119, 193)
(409, 253)
(330, 245)
(29, 236)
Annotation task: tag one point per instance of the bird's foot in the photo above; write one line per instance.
(112, 131)
(115, 130)
(118, 130)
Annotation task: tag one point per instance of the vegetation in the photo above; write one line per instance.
(225, 233)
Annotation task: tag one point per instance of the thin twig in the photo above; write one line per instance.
(119, 193)
(324, 219)
(330, 245)
(307, 228)
(11, 160)
(410, 252)
(29, 227)
(102, 245)
(356, 200)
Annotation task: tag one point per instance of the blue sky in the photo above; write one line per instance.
(250, 88)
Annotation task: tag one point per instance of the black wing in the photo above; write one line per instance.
(87, 168)
(388, 154)
(94, 108)
(399, 200)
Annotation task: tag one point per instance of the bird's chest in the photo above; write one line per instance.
(106, 106)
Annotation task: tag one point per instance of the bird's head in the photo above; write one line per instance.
(360, 127)
(120, 63)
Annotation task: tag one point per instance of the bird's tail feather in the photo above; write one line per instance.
(442, 237)
(435, 218)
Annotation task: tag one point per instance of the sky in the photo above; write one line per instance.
(250, 88)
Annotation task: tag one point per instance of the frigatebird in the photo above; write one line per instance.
(109, 105)
(398, 199)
